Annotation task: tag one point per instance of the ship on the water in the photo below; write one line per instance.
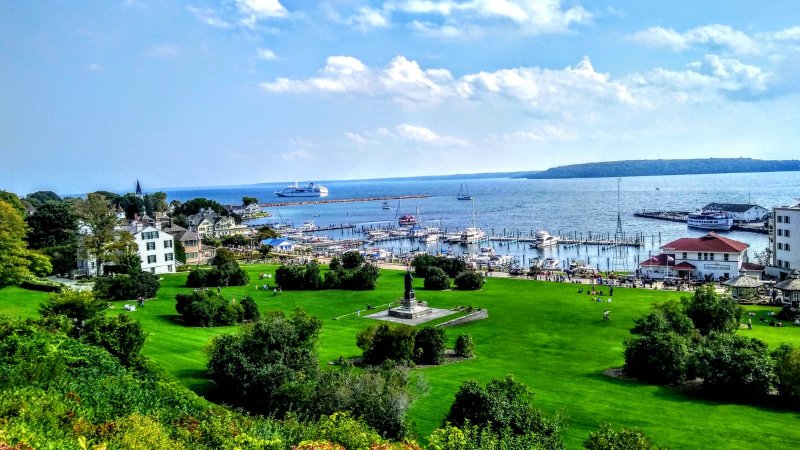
(710, 220)
(295, 190)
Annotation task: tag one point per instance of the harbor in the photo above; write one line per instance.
(682, 216)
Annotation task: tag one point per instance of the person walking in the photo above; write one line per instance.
(606, 314)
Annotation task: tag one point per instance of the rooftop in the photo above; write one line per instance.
(712, 242)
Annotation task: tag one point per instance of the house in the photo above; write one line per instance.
(250, 211)
(280, 244)
(192, 245)
(708, 257)
(156, 247)
(209, 223)
(784, 241)
(739, 212)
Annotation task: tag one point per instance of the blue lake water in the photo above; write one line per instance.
(524, 206)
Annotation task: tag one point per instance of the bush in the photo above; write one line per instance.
(468, 281)
(471, 437)
(307, 277)
(121, 336)
(661, 357)
(465, 347)
(127, 287)
(436, 279)
(451, 266)
(381, 343)
(207, 309)
(664, 318)
(787, 370)
(711, 312)
(225, 271)
(429, 346)
(249, 309)
(607, 438)
(78, 306)
(41, 284)
(352, 259)
(734, 366)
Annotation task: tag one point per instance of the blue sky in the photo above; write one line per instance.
(95, 94)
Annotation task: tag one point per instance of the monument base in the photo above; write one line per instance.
(413, 312)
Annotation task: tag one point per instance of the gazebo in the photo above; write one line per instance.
(743, 286)
(790, 288)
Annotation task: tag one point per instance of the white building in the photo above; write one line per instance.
(711, 256)
(156, 248)
(739, 212)
(784, 241)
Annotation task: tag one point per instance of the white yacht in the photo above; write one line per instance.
(551, 264)
(471, 235)
(295, 190)
(543, 239)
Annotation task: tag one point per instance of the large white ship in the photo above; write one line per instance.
(710, 220)
(295, 190)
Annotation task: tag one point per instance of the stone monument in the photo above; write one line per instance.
(409, 308)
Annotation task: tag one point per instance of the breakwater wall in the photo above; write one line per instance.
(682, 216)
(344, 200)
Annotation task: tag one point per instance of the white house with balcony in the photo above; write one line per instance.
(711, 256)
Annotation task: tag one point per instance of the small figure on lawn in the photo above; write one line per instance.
(606, 315)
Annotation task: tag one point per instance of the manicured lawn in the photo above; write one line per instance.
(547, 335)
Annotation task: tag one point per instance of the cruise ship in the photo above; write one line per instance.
(710, 220)
(295, 190)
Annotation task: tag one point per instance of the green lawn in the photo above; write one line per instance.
(547, 335)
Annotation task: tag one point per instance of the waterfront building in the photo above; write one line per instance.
(739, 212)
(208, 223)
(784, 241)
(250, 211)
(709, 257)
(280, 245)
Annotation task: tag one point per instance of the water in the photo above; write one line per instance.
(524, 206)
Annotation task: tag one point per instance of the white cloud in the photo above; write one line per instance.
(788, 34)
(94, 67)
(367, 18)
(417, 133)
(266, 54)
(401, 135)
(297, 155)
(163, 51)
(714, 35)
(209, 17)
(544, 133)
(261, 9)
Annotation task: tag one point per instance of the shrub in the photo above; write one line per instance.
(451, 266)
(734, 366)
(429, 345)
(41, 284)
(664, 318)
(127, 287)
(660, 357)
(787, 370)
(465, 347)
(79, 306)
(121, 336)
(711, 312)
(225, 271)
(249, 309)
(207, 309)
(436, 279)
(382, 342)
(468, 281)
(352, 259)
(607, 438)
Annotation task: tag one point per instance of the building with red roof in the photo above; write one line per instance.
(708, 257)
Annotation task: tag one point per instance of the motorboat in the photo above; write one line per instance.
(310, 190)
(471, 235)
(710, 220)
(550, 264)
(385, 205)
(543, 239)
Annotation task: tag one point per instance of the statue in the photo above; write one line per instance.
(408, 280)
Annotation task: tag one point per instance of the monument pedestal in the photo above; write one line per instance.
(409, 308)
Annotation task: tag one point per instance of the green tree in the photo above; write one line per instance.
(711, 312)
(39, 198)
(382, 342)
(246, 201)
(607, 438)
(429, 345)
(180, 251)
(787, 370)
(194, 206)
(664, 318)
(660, 357)
(12, 199)
(352, 259)
(734, 366)
(14, 256)
(79, 306)
(436, 279)
(468, 281)
(122, 336)
(53, 224)
(465, 347)
(97, 215)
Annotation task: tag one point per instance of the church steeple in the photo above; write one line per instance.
(139, 190)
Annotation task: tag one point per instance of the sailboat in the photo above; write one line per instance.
(464, 195)
(472, 234)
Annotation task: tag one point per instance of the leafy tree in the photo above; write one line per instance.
(264, 365)
(39, 198)
(711, 311)
(352, 259)
(122, 336)
(734, 366)
(246, 201)
(39, 263)
(194, 206)
(421, 263)
(206, 308)
(503, 404)
(127, 286)
(787, 370)
(225, 271)
(660, 357)
(53, 224)
(236, 239)
(265, 232)
(96, 214)
(180, 251)
(381, 343)
(155, 203)
(607, 438)
(451, 266)
(468, 281)
(664, 318)
(79, 306)
(465, 347)
(14, 257)
(249, 309)
(436, 279)
(12, 199)
(471, 437)
(429, 345)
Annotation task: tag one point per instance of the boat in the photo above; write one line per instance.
(543, 239)
(710, 220)
(385, 205)
(430, 238)
(550, 264)
(295, 190)
(462, 194)
(472, 234)
(407, 219)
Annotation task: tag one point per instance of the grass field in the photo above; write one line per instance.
(548, 336)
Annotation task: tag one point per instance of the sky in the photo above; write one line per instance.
(95, 94)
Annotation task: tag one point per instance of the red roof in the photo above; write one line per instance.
(659, 260)
(712, 242)
(685, 266)
(753, 266)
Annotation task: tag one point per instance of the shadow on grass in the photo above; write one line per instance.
(174, 319)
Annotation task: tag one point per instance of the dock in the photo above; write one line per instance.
(682, 216)
(344, 200)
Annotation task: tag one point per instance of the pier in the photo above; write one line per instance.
(682, 216)
(344, 200)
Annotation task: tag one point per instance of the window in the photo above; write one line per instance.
(725, 257)
(786, 233)
(786, 264)
(786, 219)
(780, 232)
(780, 263)
(780, 219)
(151, 259)
(780, 246)
(705, 256)
(786, 247)
(153, 270)
(191, 255)
(711, 256)
(151, 245)
(685, 255)
(169, 257)
(169, 268)
(698, 256)
(167, 244)
(150, 235)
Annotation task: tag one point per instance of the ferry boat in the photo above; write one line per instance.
(407, 219)
(543, 239)
(295, 190)
(710, 220)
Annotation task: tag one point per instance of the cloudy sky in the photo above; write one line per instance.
(95, 94)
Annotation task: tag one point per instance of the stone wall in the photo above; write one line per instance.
(471, 317)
